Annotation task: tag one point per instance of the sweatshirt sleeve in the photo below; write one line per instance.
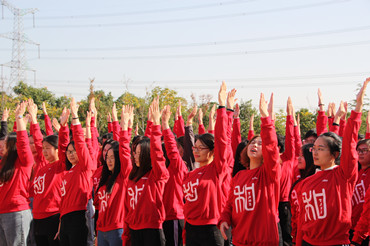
(148, 129)
(330, 123)
(334, 128)
(250, 134)
(270, 151)
(37, 139)
(289, 140)
(322, 121)
(159, 169)
(228, 209)
(297, 141)
(236, 135)
(180, 127)
(221, 142)
(342, 126)
(349, 158)
(24, 150)
(188, 147)
(176, 162)
(362, 228)
(63, 141)
(125, 153)
(201, 129)
(84, 158)
(48, 128)
(116, 130)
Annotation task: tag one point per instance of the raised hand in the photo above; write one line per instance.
(263, 106)
(156, 113)
(5, 115)
(74, 109)
(200, 116)
(360, 96)
(289, 106)
(88, 118)
(44, 108)
(191, 115)
(236, 111)
(137, 129)
(251, 122)
(270, 107)
(166, 115)
(20, 109)
(109, 118)
(222, 94)
(321, 104)
(114, 113)
(125, 117)
(178, 110)
(55, 124)
(131, 117)
(231, 99)
(32, 110)
(346, 109)
(211, 119)
(64, 117)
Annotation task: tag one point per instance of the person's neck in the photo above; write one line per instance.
(365, 166)
(329, 165)
(255, 163)
(205, 163)
(53, 160)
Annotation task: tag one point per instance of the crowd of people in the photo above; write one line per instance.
(175, 187)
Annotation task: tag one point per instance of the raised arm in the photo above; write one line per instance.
(270, 151)
(63, 136)
(124, 141)
(343, 120)
(236, 135)
(109, 121)
(322, 119)
(297, 136)
(211, 120)
(78, 136)
(48, 128)
(201, 128)
(189, 140)
(159, 169)
(251, 128)
(116, 127)
(180, 126)
(36, 134)
(289, 133)
(349, 158)
(23, 144)
(338, 115)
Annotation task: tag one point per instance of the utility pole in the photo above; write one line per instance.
(18, 65)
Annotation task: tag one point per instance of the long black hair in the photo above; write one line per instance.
(238, 166)
(102, 157)
(7, 162)
(144, 159)
(108, 177)
(68, 163)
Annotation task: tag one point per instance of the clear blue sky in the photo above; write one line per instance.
(287, 47)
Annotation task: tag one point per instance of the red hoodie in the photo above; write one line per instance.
(48, 176)
(203, 189)
(111, 205)
(77, 182)
(173, 195)
(358, 198)
(144, 206)
(254, 196)
(325, 197)
(362, 229)
(14, 192)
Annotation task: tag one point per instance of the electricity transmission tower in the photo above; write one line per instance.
(18, 65)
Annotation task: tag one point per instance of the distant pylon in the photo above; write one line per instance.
(18, 65)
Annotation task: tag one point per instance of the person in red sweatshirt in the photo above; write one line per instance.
(203, 188)
(76, 186)
(112, 186)
(325, 197)
(47, 178)
(254, 193)
(362, 184)
(144, 207)
(173, 195)
(15, 173)
(362, 229)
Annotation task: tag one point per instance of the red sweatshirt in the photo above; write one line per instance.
(148, 129)
(14, 192)
(358, 198)
(202, 187)
(294, 208)
(321, 123)
(76, 184)
(201, 129)
(173, 195)
(250, 134)
(287, 160)
(116, 130)
(111, 205)
(254, 196)
(236, 135)
(48, 177)
(180, 127)
(325, 197)
(144, 206)
(362, 229)
(48, 128)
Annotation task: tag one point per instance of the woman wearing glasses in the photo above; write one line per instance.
(203, 186)
(325, 197)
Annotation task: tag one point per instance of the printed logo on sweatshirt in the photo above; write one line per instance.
(39, 184)
(315, 205)
(359, 193)
(103, 197)
(245, 198)
(134, 194)
(1, 184)
(190, 190)
(63, 187)
(294, 197)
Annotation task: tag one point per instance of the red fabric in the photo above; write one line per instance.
(294, 208)
(201, 129)
(324, 198)
(211, 132)
(254, 196)
(358, 198)
(96, 180)
(250, 134)
(321, 123)
(148, 129)
(202, 187)
(48, 128)
(111, 205)
(144, 206)
(287, 160)
(77, 182)
(330, 123)
(48, 176)
(173, 195)
(15, 126)
(367, 136)
(362, 229)
(236, 137)
(110, 127)
(116, 130)
(342, 126)
(180, 128)
(14, 193)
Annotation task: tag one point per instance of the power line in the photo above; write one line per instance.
(210, 43)
(202, 18)
(219, 54)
